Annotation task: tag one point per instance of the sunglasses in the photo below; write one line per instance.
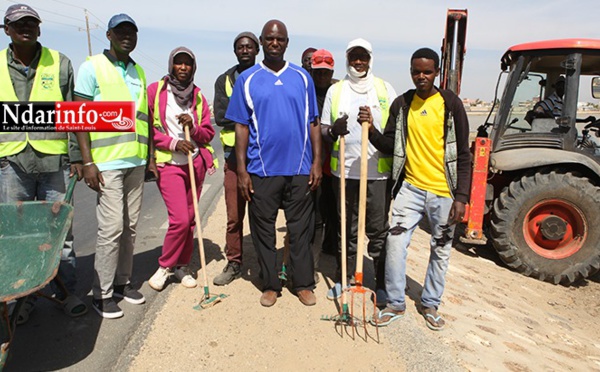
(321, 59)
(24, 23)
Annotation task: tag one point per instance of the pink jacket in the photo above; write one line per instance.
(202, 133)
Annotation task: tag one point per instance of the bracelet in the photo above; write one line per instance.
(330, 133)
(88, 164)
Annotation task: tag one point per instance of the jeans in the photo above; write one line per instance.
(16, 185)
(409, 207)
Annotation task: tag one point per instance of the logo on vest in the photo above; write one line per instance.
(278, 82)
(47, 81)
(424, 113)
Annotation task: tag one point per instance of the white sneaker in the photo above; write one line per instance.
(158, 280)
(184, 275)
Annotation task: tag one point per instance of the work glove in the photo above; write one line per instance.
(340, 127)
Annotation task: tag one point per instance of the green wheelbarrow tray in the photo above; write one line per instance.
(32, 235)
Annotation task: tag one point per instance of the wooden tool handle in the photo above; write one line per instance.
(342, 162)
(362, 202)
(196, 209)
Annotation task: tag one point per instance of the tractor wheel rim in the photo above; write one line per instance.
(571, 241)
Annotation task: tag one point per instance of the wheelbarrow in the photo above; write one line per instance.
(32, 235)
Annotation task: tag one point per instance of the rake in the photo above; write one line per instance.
(208, 299)
(343, 318)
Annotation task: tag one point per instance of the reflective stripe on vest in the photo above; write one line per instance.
(109, 146)
(46, 88)
(165, 156)
(227, 136)
(384, 163)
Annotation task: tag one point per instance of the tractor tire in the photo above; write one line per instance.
(547, 225)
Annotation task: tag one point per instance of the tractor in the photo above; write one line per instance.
(535, 189)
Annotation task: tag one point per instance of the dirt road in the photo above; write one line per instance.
(496, 320)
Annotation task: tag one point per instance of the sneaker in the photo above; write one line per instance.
(184, 275)
(158, 280)
(107, 308)
(231, 272)
(130, 294)
(334, 292)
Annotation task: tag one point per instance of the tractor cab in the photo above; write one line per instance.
(533, 113)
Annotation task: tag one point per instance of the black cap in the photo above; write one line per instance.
(18, 11)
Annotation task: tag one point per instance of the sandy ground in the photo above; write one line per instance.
(496, 320)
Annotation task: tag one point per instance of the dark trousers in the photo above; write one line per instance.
(293, 195)
(376, 224)
(329, 215)
(236, 209)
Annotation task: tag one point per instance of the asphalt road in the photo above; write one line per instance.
(50, 340)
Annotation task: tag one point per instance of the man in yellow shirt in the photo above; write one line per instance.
(428, 133)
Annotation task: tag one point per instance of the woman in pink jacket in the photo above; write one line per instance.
(175, 102)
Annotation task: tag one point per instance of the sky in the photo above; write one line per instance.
(394, 28)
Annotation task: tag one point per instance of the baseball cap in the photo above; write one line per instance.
(359, 43)
(120, 18)
(247, 34)
(322, 59)
(18, 11)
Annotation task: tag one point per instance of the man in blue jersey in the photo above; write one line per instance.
(277, 134)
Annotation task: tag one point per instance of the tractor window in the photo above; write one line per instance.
(528, 93)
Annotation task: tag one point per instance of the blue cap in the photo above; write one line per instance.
(120, 18)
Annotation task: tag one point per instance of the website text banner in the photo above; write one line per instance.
(80, 116)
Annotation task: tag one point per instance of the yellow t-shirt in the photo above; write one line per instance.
(425, 145)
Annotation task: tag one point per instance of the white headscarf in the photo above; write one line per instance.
(358, 83)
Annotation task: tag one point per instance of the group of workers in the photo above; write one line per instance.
(281, 129)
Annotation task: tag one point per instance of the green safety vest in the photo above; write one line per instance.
(227, 136)
(384, 164)
(165, 156)
(109, 146)
(46, 88)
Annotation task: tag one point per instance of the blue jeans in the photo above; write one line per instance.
(409, 207)
(16, 185)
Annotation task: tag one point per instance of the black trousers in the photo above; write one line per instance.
(329, 215)
(376, 224)
(293, 195)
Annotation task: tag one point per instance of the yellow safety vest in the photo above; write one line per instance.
(46, 88)
(109, 146)
(164, 156)
(384, 164)
(227, 136)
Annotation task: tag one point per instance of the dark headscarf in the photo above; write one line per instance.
(183, 92)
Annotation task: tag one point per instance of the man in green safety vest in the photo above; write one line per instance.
(114, 164)
(245, 47)
(361, 90)
(37, 165)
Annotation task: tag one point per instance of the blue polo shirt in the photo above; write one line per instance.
(279, 108)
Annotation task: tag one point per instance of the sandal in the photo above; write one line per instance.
(433, 320)
(73, 306)
(386, 316)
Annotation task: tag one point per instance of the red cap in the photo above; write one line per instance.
(322, 59)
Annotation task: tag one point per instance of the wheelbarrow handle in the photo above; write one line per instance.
(71, 188)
